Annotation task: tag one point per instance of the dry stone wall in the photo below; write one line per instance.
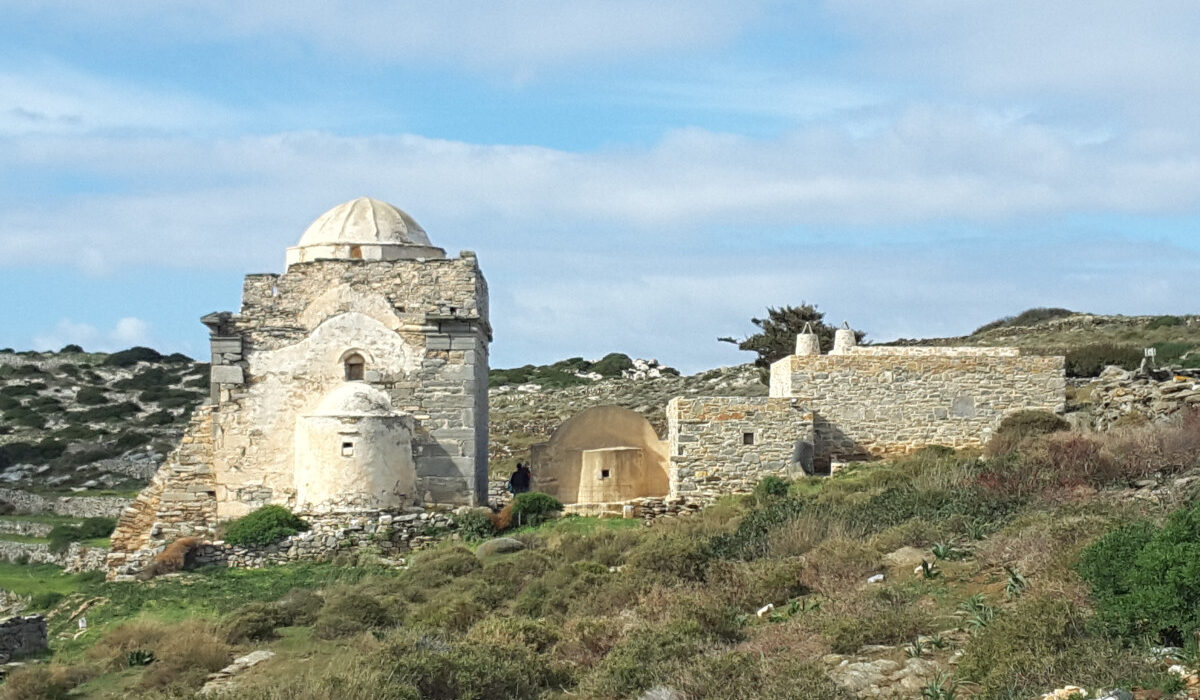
(1154, 395)
(721, 445)
(77, 557)
(74, 506)
(887, 401)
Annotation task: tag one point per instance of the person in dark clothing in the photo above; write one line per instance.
(520, 480)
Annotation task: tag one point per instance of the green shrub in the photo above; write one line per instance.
(612, 364)
(1164, 322)
(109, 413)
(475, 524)
(7, 402)
(645, 657)
(61, 536)
(91, 396)
(25, 418)
(1017, 427)
(534, 508)
(45, 600)
(30, 389)
(41, 452)
(300, 607)
(1029, 317)
(771, 487)
(1146, 580)
(130, 440)
(1089, 360)
(71, 347)
(46, 404)
(149, 378)
(132, 356)
(158, 418)
(253, 622)
(439, 670)
(349, 612)
(1040, 642)
(263, 526)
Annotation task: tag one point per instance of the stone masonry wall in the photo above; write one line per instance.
(180, 500)
(885, 401)
(721, 445)
(20, 636)
(77, 557)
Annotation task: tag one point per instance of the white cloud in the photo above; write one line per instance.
(927, 164)
(127, 332)
(57, 100)
(518, 37)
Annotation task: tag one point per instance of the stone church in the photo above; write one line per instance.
(356, 381)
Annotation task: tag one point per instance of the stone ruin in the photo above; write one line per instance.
(355, 382)
(352, 389)
(855, 403)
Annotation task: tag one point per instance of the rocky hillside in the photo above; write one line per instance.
(75, 421)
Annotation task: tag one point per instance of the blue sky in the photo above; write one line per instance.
(637, 175)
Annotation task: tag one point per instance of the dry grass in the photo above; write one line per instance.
(184, 652)
(40, 682)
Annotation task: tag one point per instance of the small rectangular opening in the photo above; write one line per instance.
(603, 473)
(747, 438)
(347, 449)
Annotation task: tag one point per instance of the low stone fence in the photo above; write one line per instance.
(20, 636)
(388, 533)
(1154, 395)
(498, 493)
(25, 527)
(76, 558)
(650, 508)
(74, 506)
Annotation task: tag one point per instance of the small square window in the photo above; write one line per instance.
(747, 438)
(347, 449)
(603, 473)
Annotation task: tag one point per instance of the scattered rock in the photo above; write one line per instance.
(223, 680)
(906, 557)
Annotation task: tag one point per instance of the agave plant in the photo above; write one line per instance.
(1017, 583)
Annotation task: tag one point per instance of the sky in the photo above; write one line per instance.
(637, 176)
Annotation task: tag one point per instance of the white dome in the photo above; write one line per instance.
(355, 399)
(364, 221)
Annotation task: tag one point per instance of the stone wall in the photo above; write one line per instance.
(74, 506)
(25, 527)
(20, 636)
(1155, 394)
(77, 557)
(885, 401)
(721, 445)
(388, 533)
(180, 500)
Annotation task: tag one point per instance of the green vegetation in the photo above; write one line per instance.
(1028, 317)
(263, 526)
(533, 508)
(777, 336)
(91, 396)
(132, 356)
(61, 536)
(1090, 360)
(565, 372)
(1146, 579)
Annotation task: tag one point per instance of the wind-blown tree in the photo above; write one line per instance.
(777, 337)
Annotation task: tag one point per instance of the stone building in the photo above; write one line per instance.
(853, 404)
(606, 454)
(355, 381)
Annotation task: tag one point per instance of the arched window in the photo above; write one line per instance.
(354, 367)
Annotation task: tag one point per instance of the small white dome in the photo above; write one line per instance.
(364, 221)
(355, 399)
